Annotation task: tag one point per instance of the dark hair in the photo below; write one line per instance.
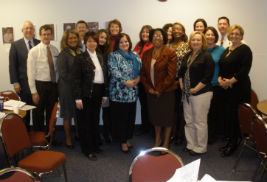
(164, 34)
(184, 36)
(167, 26)
(200, 20)
(45, 28)
(115, 21)
(117, 43)
(224, 18)
(93, 35)
(214, 31)
(81, 22)
(107, 46)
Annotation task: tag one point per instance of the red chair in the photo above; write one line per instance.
(260, 128)
(15, 174)
(150, 165)
(254, 99)
(16, 140)
(9, 94)
(246, 114)
(38, 138)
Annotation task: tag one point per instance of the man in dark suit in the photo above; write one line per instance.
(18, 65)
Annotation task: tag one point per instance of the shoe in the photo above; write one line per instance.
(211, 141)
(192, 153)
(92, 157)
(98, 150)
(77, 138)
(124, 148)
(221, 149)
(186, 149)
(228, 151)
(129, 145)
(70, 146)
(107, 139)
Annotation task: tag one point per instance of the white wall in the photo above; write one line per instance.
(133, 14)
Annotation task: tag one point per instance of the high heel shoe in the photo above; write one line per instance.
(229, 150)
(221, 149)
(71, 146)
(124, 148)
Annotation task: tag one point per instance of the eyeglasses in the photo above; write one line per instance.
(157, 36)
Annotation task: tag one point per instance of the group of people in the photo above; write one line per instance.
(185, 87)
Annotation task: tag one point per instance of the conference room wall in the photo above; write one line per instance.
(133, 14)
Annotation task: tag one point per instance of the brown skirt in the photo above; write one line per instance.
(162, 110)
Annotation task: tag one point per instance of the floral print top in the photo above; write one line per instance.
(121, 70)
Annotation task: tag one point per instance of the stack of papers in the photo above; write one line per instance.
(10, 104)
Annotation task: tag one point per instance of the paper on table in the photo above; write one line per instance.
(207, 178)
(187, 173)
(2, 115)
(10, 104)
(27, 107)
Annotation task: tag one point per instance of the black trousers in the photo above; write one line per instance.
(27, 98)
(123, 119)
(48, 95)
(180, 122)
(215, 124)
(145, 124)
(88, 120)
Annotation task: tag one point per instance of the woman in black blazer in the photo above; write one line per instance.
(90, 89)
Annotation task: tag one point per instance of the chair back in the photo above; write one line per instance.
(151, 165)
(16, 174)
(14, 134)
(260, 128)
(246, 113)
(254, 98)
(9, 94)
(53, 120)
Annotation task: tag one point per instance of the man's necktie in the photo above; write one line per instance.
(51, 65)
(30, 44)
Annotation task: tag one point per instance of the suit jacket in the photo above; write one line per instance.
(164, 70)
(18, 55)
(83, 75)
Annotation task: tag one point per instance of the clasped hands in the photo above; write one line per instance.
(132, 83)
(225, 83)
(154, 92)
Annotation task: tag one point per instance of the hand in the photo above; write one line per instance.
(104, 100)
(35, 98)
(79, 105)
(223, 83)
(17, 88)
(193, 90)
(130, 83)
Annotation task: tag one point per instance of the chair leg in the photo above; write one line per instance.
(65, 172)
(257, 172)
(238, 159)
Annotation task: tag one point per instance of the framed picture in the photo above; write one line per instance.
(7, 34)
(53, 31)
(67, 26)
(93, 26)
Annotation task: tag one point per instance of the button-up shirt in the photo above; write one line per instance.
(37, 65)
(99, 77)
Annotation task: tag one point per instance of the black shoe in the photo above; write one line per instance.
(186, 149)
(92, 157)
(107, 139)
(70, 146)
(77, 138)
(228, 151)
(192, 153)
(221, 149)
(178, 141)
(211, 141)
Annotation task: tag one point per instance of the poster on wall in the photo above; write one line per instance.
(93, 26)
(53, 31)
(67, 26)
(7, 34)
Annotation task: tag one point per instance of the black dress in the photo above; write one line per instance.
(236, 63)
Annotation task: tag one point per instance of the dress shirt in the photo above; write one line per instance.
(27, 43)
(99, 77)
(226, 42)
(37, 64)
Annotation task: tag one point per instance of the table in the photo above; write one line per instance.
(262, 107)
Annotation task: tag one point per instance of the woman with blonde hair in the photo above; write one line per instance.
(70, 48)
(194, 77)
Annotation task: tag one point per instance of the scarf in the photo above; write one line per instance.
(131, 56)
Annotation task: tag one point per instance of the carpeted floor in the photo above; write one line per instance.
(113, 165)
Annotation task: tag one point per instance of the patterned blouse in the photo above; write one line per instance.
(121, 70)
(181, 51)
